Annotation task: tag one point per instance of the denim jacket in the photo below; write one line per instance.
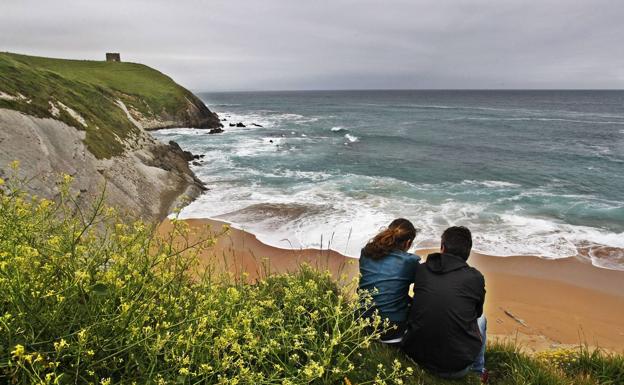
(391, 276)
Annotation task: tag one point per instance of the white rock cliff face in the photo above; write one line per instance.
(148, 180)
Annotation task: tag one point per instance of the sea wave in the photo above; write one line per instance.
(311, 214)
(491, 183)
(265, 118)
(352, 138)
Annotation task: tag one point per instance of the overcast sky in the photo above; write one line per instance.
(210, 45)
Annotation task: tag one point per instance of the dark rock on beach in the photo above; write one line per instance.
(215, 131)
(240, 124)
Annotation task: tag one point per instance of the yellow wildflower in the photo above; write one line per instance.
(60, 345)
(67, 179)
(18, 351)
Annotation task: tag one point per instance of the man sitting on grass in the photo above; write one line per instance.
(446, 326)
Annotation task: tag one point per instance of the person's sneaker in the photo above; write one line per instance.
(485, 376)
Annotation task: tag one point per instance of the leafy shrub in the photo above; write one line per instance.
(88, 298)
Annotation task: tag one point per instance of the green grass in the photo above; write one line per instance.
(508, 365)
(86, 297)
(91, 88)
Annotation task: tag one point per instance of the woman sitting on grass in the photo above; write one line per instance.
(387, 271)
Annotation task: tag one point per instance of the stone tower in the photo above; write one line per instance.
(110, 56)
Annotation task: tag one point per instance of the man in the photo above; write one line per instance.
(445, 326)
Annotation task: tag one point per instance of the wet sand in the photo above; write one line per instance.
(538, 303)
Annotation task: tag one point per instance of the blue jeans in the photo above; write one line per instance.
(478, 366)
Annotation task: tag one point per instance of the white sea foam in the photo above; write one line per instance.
(345, 210)
(273, 140)
(251, 147)
(491, 183)
(170, 132)
(265, 118)
(294, 118)
(347, 221)
(309, 175)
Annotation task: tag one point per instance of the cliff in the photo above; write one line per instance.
(90, 120)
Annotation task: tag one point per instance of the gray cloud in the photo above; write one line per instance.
(325, 44)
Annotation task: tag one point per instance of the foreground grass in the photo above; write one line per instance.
(87, 298)
(92, 89)
(508, 365)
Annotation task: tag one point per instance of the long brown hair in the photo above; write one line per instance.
(393, 237)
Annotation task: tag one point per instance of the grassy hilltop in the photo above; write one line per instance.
(86, 95)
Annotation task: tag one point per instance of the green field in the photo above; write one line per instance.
(91, 88)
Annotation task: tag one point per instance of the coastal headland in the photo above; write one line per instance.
(90, 120)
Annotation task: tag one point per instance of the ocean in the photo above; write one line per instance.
(529, 172)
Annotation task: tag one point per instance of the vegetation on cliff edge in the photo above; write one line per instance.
(92, 89)
(86, 298)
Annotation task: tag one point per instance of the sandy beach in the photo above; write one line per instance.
(538, 303)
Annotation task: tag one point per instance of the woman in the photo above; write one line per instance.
(387, 271)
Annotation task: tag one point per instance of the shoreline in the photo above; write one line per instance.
(536, 302)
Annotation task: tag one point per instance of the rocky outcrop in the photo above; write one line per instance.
(148, 180)
(194, 114)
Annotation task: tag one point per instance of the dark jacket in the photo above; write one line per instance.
(442, 331)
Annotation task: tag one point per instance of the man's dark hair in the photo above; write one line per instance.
(457, 240)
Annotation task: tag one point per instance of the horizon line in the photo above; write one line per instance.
(402, 89)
